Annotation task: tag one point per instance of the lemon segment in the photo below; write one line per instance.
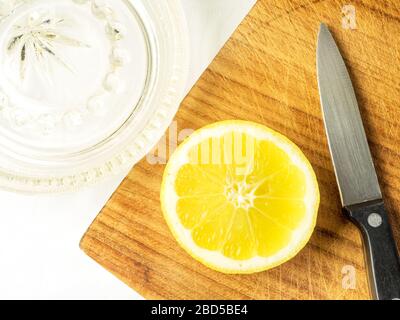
(239, 197)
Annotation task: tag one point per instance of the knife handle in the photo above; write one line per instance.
(380, 248)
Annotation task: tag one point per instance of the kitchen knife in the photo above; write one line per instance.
(354, 169)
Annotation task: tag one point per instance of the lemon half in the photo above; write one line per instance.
(240, 197)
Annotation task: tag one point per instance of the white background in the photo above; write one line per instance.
(39, 235)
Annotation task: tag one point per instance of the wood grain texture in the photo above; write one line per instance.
(266, 73)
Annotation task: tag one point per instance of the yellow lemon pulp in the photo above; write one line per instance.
(240, 197)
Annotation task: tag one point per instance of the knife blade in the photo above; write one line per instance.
(354, 168)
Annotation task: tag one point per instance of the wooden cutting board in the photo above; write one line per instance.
(266, 73)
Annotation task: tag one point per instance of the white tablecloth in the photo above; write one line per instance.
(39, 235)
